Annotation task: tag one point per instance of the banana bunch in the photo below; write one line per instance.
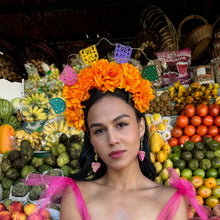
(51, 140)
(55, 73)
(34, 138)
(55, 127)
(52, 114)
(34, 114)
(36, 99)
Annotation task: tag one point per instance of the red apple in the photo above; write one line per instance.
(2, 207)
(5, 215)
(15, 206)
(18, 215)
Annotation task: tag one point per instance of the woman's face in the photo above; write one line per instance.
(114, 131)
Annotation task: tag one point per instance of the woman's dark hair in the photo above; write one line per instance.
(87, 153)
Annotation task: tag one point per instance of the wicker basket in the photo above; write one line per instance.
(154, 18)
(215, 50)
(197, 39)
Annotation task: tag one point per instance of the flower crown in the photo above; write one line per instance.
(105, 76)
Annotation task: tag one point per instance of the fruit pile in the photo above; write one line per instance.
(196, 123)
(16, 210)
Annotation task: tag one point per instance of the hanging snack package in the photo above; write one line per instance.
(216, 67)
(175, 65)
(204, 74)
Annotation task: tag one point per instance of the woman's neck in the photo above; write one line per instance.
(128, 179)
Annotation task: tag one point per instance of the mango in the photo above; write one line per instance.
(155, 141)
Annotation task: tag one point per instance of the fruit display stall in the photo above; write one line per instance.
(183, 122)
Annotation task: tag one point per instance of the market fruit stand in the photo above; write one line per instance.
(183, 119)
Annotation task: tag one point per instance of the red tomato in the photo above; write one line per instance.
(183, 139)
(196, 120)
(189, 110)
(176, 132)
(207, 135)
(213, 130)
(173, 142)
(217, 138)
(214, 109)
(196, 138)
(201, 130)
(207, 120)
(202, 110)
(182, 121)
(217, 121)
(189, 130)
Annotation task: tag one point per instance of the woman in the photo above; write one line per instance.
(116, 175)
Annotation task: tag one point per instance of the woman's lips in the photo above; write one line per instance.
(116, 154)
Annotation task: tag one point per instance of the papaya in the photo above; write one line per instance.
(155, 141)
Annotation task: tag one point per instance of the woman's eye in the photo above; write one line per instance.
(122, 124)
(99, 131)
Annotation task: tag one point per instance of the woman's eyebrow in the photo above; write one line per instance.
(115, 119)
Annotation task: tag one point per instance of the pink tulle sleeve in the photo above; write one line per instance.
(55, 186)
(186, 188)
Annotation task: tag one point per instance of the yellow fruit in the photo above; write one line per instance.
(166, 148)
(148, 120)
(155, 142)
(164, 174)
(166, 182)
(156, 118)
(153, 157)
(161, 126)
(167, 163)
(158, 180)
(158, 166)
(161, 156)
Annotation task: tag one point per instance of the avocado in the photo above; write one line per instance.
(26, 150)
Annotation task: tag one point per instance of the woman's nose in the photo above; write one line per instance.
(112, 137)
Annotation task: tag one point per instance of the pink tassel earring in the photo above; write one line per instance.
(96, 165)
(141, 153)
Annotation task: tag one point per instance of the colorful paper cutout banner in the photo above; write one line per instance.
(58, 105)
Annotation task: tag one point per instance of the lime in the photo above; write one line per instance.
(180, 164)
(175, 157)
(216, 162)
(209, 154)
(193, 164)
(187, 173)
(199, 145)
(199, 155)
(205, 164)
(177, 149)
(217, 153)
(218, 181)
(212, 172)
(186, 156)
(199, 172)
(188, 145)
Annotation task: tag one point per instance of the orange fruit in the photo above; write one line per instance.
(199, 200)
(31, 209)
(204, 191)
(197, 181)
(210, 182)
(211, 201)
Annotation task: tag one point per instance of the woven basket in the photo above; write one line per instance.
(215, 50)
(197, 39)
(154, 18)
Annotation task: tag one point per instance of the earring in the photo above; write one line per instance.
(96, 165)
(141, 153)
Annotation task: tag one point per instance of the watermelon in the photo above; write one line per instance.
(13, 121)
(6, 108)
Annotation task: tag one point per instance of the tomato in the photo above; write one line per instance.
(182, 121)
(214, 109)
(207, 135)
(189, 130)
(196, 120)
(183, 139)
(176, 132)
(196, 138)
(217, 138)
(201, 130)
(189, 110)
(207, 120)
(173, 142)
(213, 130)
(202, 110)
(217, 121)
